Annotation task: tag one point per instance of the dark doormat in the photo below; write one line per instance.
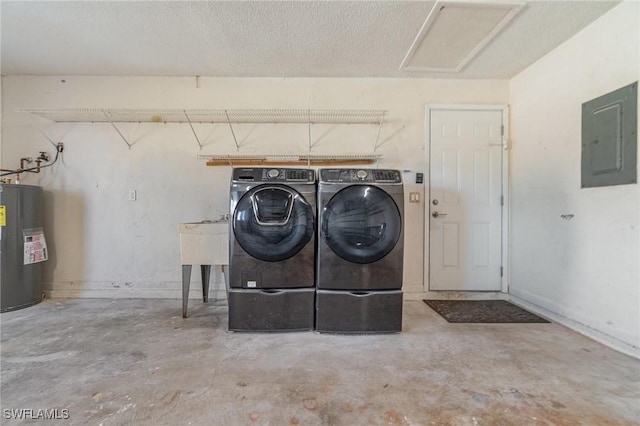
(482, 311)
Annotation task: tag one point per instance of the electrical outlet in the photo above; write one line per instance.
(132, 195)
(414, 197)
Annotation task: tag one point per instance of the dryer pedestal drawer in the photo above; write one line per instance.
(271, 310)
(359, 311)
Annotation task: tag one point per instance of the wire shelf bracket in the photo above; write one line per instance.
(117, 130)
(235, 140)
(192, 129)
(376, 145)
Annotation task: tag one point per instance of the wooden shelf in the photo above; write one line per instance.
(289, 160)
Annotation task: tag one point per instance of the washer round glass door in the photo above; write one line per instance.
(361, 223)
(273, 222)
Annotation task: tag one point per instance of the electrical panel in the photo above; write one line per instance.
(609, 138)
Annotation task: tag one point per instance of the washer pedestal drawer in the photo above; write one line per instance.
(271, 310)
(359, 311)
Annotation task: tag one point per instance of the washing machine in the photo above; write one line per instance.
(272, 249)
(359, 259)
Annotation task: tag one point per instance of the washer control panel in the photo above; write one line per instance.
(264, 174)
(360, 175)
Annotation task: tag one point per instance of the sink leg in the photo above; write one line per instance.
(205, 271)
(186, 280)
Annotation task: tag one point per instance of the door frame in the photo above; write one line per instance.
(504, 109)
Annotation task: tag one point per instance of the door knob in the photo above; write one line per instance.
(436, 214)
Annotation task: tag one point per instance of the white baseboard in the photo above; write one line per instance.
(153, 290)
(457, 295)
(521, 299)
(217, 291)
(129, 290)
(578, 327)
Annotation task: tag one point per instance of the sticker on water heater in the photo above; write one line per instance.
(251, 284)
(35, 246)
(3, 215)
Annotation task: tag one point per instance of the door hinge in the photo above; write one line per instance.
(502, 200)
(501, 270)
(502, 130)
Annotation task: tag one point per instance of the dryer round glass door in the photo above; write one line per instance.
(361, 223)
(273, 222)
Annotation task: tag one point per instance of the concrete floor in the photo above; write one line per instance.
(137, 361)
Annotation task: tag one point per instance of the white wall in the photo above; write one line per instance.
(586, 269)
(103, 244)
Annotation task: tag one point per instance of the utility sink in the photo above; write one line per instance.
(205, 242)
(202, 243)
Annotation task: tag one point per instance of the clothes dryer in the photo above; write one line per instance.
(359, 260)
(272, 249)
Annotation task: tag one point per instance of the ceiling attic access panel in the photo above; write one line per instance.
(455, 32)
(114, 116)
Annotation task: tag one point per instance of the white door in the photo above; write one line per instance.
(465, 205)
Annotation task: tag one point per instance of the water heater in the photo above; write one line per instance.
(23, 247)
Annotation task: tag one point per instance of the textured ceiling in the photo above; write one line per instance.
(261, 38)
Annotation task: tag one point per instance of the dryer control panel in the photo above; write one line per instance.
(264, 174)
(360, 175)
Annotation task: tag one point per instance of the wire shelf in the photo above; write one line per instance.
(115, 116)
(128, 115)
